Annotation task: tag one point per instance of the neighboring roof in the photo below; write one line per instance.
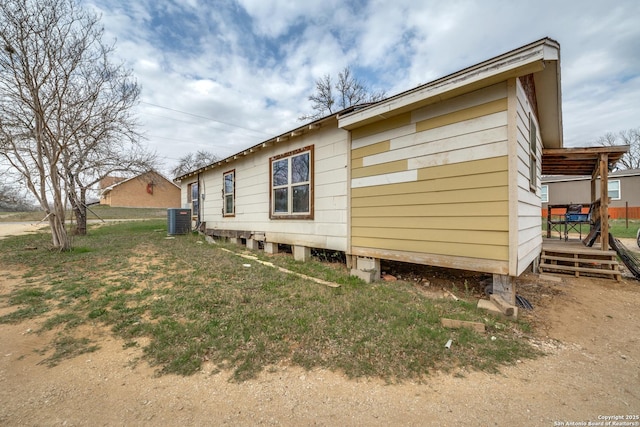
(112, 186)
(579, 161)
(616, 174)
(108, 181)
(540, 58)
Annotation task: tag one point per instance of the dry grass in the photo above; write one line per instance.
(185, 302)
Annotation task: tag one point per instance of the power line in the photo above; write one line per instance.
(251, 137)
(205, 118)
(191, 141)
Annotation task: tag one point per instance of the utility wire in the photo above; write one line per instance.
(205, 118)
(209, 144)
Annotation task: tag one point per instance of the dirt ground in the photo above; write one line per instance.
(589, 329)
(17, 228)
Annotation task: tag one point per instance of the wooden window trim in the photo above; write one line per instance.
(306, 216)
(189, 189)
(224, 194)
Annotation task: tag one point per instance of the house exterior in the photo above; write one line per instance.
(147, 190)
(446, 174)
(289, 190)
(624, 192)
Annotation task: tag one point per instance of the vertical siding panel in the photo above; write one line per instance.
(513, 175)
(529, 236)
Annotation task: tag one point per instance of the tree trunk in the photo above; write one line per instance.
(80, 212)
(59, 236)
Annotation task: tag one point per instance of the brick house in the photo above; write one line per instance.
(147, 190)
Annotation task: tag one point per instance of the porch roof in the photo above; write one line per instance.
(587, 161)
(579, 161)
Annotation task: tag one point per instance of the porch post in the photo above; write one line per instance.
(604, 201)
(594, 196)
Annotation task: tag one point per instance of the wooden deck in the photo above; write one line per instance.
(573, 257)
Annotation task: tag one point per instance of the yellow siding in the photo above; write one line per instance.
(462, 115)
(491, 179)
(454, 210)
(369, 150)
(384, 168)
(474, 167)
(498, 253)
(435, 235)
(487, 208)
(460, 222)
(434, 198)
(381, 126)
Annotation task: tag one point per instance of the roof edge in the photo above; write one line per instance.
(112, 186)
(527, 59)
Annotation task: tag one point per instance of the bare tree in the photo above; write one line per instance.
(65, 109)
(349, 91)
(98, 161)
(193, 161)
(106, 141)
(631, 137)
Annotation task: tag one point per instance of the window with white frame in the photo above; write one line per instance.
(229, 193)
(291, 181)
(614, 189)
(544, 193)
(533, 153)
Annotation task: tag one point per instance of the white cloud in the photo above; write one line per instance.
(251, 64)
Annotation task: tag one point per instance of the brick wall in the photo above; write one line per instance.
(146, 191)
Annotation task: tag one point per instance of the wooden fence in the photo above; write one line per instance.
(614, 213)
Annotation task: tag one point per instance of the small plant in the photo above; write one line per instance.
(67, 346)
(467, 290)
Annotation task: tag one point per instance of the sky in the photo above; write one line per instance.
(224, 75)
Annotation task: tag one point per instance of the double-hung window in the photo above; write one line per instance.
(614, 189)
(291, 181)
(544, 194)
(229, 193)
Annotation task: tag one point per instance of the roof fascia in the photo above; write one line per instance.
(624, 173)
(529, 59)
(151, 171)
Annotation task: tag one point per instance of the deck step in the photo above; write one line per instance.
(580, 261)
(549, 267)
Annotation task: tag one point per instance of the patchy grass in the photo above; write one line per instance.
(620, 228)
(191, 302)
(67, 346)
